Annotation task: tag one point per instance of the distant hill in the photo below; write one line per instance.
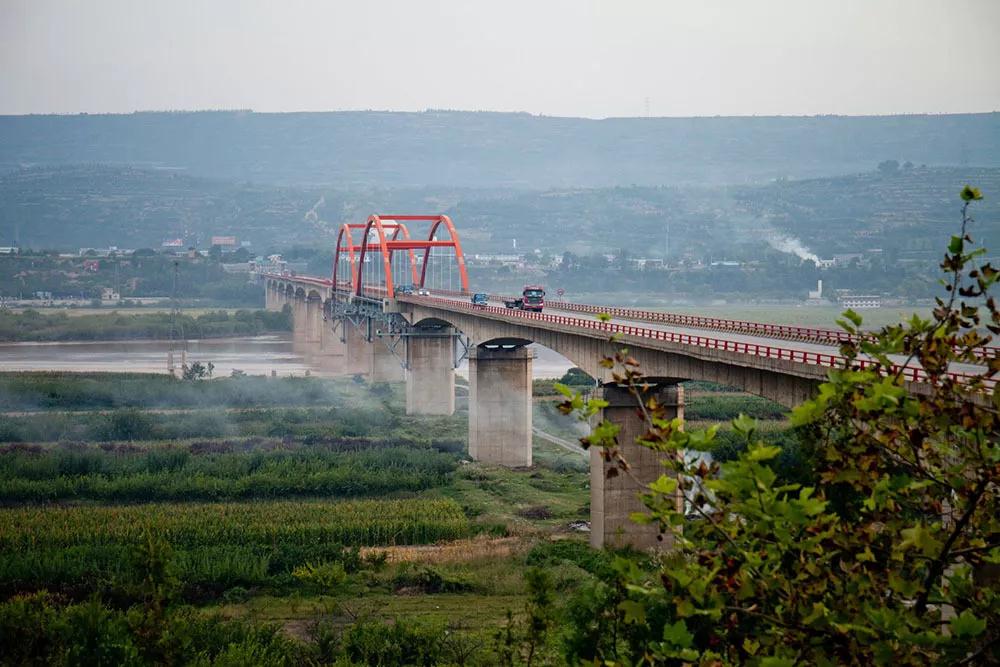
(491, 150)
(907, 213)
(910, 213)
(97, 206)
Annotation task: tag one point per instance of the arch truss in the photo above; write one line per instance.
(383, 236)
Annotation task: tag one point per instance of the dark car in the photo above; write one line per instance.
(480, 299)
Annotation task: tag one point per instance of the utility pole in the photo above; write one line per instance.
(666, 244)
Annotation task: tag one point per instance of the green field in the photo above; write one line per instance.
(301, 520)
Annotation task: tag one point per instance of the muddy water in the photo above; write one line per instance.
(259, 355)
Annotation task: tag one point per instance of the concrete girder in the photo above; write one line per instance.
(779, 380)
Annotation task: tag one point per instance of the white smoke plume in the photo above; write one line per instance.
(793, 246)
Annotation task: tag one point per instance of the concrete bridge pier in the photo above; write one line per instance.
(300, 322)
(330, 354)
(500, 405)
(313, 322)
(430, 375)
(274, 299)
(384, 366)
(356, 347)
(614, 499)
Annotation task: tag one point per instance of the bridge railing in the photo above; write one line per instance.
(782, 331)
(909, 373)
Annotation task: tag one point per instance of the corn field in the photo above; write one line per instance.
(213, 545)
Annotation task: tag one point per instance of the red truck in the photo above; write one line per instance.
(532, 298)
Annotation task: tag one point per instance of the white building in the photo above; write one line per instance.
(860, 301)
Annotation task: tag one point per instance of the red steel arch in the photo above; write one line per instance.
(388, 245)
(345, 232)
(459, 257)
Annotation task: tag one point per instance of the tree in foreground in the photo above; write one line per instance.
(889, 556)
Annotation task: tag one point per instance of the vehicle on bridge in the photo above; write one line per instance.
(480, 299)
(532, 298)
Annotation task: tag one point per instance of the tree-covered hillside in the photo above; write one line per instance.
(900, 212)
(464, 149)
(95, 206)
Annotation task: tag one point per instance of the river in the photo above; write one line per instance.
(257, 355)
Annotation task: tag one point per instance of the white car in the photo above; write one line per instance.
(423, 291)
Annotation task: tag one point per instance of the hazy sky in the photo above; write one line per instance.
(567, 58)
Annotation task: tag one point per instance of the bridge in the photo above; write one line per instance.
(398, 309)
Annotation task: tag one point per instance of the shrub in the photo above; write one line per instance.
(326, 577)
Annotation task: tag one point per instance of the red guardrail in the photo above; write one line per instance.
(910, 373)
(783, 331)
(323, 282)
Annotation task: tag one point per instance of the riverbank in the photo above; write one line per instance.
(35, 326)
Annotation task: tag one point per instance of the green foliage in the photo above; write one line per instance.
(326, 577)
(32, 325)
(428, 579)
(219, 470)
(205, 547)
(40, 629)
(402, 642)
(724, 407)
(893, 535)
(79, 391)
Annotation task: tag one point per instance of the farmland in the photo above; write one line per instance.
(253, 507)
(267, 520)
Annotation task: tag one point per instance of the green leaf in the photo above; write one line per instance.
(665, 484)
(678, 635)
(603, 317)
(921, 538)
(563, 389)
(967, 625)
(970, 193)
(955, 245)
(762, 452)
(773, 661)
(634, 611)
(744, 425)
(853, 317)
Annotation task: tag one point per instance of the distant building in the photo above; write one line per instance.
(172, 243)
(846, 259)
(645, 264)
(224, 241)
(8, 250)
(860, 301)
(110, 295)
(825, 263)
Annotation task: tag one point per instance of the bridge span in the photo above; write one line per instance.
(358, 323)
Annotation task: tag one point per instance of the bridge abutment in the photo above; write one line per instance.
(430, 376)
(614, 499)
(500, 405)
